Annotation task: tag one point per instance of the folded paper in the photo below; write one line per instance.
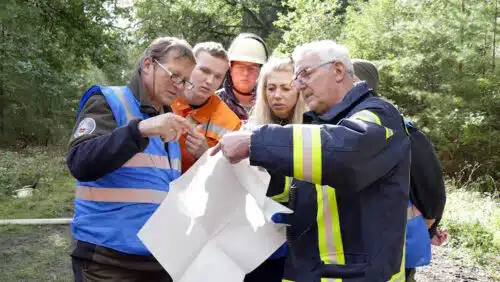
(215, 224)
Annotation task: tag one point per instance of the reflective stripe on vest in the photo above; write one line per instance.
(284, 197)
(307, 153)
(412, 212)
(148, 160)
(208, 127)
(121, 96)
(144, 159)
(125, 195)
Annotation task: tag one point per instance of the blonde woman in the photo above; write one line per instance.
(277, 103)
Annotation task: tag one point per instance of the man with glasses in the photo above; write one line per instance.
(209, 115)
(247, 53)
(124, 153)
(351, 164)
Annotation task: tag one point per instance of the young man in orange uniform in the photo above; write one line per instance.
(200, 105)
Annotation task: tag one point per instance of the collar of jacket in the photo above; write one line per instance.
(357, 93)
(181, 105)
(140, 94)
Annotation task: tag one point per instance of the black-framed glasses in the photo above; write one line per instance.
(302, 77)
(177, 79)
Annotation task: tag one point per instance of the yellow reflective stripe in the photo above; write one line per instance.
(307, 153)
(121, 96)
(388, 133)
(337, 238)
(283, 197)
(286, 280)
(331, 250)
(297, 152)
(368, 116)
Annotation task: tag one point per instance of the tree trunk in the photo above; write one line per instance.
(494, 34)
(485, 53)
(2, 86)
(460, 65)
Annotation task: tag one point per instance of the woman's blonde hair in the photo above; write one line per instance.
(261, 112)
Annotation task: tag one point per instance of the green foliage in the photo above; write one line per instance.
(207, 20)
(308, 20)
(46, 47)
(437, 64)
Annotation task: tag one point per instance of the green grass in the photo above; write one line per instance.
(35, 253)
(473, 222)
(54, 194)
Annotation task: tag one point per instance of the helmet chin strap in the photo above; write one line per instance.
(241, 92)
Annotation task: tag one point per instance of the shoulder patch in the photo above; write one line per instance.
(86, 126)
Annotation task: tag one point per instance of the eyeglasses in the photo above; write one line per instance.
(303, 77)
(252, 69)
(177, 79)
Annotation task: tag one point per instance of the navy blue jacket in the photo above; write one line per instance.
(352, 166)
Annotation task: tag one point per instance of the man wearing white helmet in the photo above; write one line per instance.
(247, 53)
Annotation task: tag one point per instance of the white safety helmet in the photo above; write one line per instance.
(248, 47)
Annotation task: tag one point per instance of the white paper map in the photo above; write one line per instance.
(215, 224)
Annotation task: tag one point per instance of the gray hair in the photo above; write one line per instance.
(327, 50)
(162, 46)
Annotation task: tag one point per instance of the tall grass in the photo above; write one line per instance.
(473, 222)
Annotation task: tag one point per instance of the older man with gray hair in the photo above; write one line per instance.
(351, 164)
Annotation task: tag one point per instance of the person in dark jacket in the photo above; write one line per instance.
(247, 53)
(427, 189)
(351, 164)
(124, 153)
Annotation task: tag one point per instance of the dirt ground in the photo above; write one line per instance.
(41, 253)
(445, 269)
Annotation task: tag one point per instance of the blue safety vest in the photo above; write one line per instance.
(418, 242)
(110, 211)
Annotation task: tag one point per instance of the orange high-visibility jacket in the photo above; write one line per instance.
(213, 119)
